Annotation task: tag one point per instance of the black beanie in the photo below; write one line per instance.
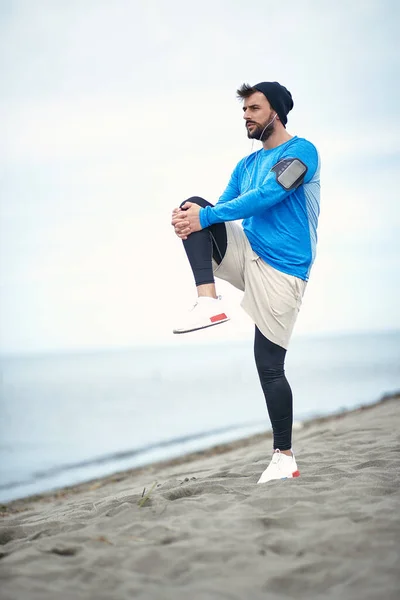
(278, 96)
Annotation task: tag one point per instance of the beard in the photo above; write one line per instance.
(261, 132)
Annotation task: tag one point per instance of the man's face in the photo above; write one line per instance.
(258, 114)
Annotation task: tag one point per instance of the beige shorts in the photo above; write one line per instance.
(271, 298)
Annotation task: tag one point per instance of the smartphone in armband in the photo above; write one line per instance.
(290, 172)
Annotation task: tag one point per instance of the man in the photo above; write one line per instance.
(275, 192)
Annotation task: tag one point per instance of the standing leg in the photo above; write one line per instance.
(270, 362)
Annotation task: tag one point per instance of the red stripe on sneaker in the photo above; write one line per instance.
(218, 318)
(296, 474)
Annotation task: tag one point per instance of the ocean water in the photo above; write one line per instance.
(69, 418)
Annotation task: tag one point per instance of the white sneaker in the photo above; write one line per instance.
(205, 313)
(281, 466)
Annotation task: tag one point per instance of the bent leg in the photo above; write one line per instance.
(203, 246)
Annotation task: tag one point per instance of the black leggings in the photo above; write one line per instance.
(201, 247)
(203, 244)
(270, 362)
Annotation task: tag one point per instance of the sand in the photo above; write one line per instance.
(200, 527)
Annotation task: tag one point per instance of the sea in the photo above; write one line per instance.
(71, 417)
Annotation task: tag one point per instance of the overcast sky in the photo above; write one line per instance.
(113, 112)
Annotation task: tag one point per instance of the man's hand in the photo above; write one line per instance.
(186, 220)
(179, 223)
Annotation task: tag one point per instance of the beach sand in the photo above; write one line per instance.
(200, 528)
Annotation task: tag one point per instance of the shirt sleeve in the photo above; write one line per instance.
(232, 189)
(260, 199)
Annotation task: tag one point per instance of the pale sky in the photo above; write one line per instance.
(114, 112)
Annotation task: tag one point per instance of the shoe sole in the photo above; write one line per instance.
(294, 474)
(180, 331)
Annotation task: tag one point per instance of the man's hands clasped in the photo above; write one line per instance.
(186, 220)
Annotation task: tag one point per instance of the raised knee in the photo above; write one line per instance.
(196, 200)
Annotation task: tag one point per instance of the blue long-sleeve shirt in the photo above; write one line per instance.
(280, 224)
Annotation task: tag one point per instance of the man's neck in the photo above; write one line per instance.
(276, 139)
